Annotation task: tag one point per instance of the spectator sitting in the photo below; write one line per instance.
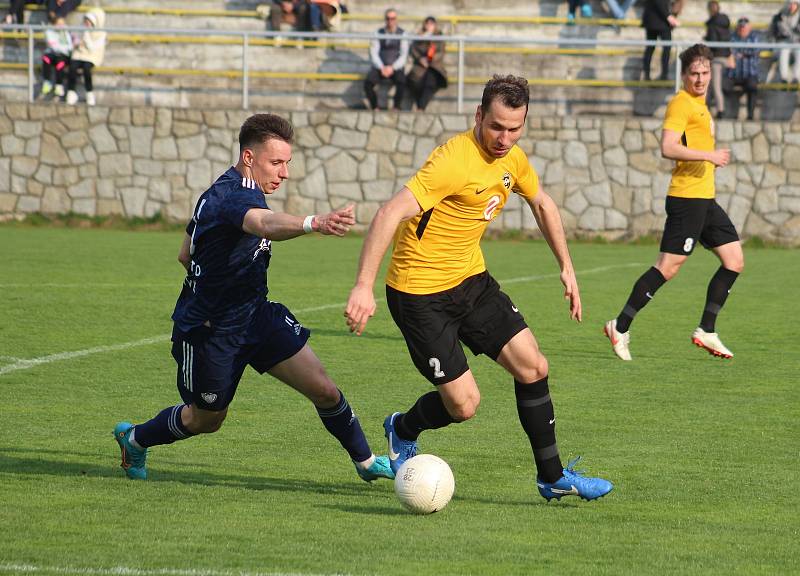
(61, 8)
(658, 20)
(718, 29)
(326, 15)
(89, 52)
(785, 28)
(55, 58)
(744, 73)
(388, 57)
(289, 15)
(427, 73)
(586, 10)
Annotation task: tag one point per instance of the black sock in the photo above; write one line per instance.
(535, 410)
(718, 289)
(343, 425)
(165, 427)
(644, 289)
(428, 413)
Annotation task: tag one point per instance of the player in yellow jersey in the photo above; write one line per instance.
(440, 294)
(692, 213)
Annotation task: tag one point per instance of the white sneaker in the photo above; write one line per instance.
(59, 90)
(710, 342)
(90, 99)
(72, 97)
(619, 340)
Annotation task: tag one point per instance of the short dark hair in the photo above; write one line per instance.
(511, 90)
(694, 53)
(262, 127)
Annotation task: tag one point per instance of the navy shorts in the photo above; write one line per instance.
(690, 220)
(476, 312)
(210, 365)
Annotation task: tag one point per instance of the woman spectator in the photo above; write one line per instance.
(55, 58)
(785, 28)
(427, 73)
(718, 29)
(89, 52)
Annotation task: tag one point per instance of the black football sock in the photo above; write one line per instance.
(718, 289)
(643, 290)
(535, 410)
(165, 428)
(428, 413)
(343, 425)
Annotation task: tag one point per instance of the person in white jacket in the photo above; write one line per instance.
(55, 58)
(89, 52)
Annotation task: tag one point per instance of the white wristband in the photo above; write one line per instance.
(307, 224)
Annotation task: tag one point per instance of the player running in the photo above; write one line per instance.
(223, 321)
(440, 294)
(692, 213)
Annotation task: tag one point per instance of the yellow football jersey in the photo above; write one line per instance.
(689, 116)
(460, 189)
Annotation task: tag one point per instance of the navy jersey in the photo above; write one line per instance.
(227, 277)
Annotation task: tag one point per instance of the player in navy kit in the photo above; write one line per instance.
(223, 321)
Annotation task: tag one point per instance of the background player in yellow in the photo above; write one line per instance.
(440, 294)
(692, 213)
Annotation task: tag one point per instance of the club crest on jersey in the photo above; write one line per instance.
(507, 180)
(209, 397)
(264, 246)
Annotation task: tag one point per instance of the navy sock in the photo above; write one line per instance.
(165, 428)
(342, 423)
(643, 290)
(428, 413)
(718, 289)
(535, 410)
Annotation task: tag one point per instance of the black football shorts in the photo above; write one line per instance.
(476, 312)
(690, 220)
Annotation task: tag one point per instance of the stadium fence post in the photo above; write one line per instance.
(460, 75)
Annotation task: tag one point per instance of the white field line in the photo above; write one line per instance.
(25, 364)
(126, 571)
(112, 285)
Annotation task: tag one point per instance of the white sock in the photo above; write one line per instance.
(367, 463)
(132, 440)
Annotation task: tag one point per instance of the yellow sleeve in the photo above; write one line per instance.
(441, 176)
(527, 184)
(677, 116)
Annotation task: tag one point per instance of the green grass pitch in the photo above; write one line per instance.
(703, 452)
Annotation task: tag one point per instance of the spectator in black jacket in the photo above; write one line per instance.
(718, 29)
(658, 22)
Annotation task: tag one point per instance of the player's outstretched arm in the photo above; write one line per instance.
(361, 303)
(282, 226)
(549, 220)
(673, 149)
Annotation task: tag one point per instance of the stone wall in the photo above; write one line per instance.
(605, 173)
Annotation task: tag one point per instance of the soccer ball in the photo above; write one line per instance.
(424, 484)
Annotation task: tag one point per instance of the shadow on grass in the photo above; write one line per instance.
(42, 462)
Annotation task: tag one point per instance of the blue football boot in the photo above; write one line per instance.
(573, 483)
(380, 468)
(399, 450)
(133, 458)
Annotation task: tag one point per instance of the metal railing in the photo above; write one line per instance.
(246, 39)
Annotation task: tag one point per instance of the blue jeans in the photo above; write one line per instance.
(619, 9)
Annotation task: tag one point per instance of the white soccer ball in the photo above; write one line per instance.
(424, 484)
